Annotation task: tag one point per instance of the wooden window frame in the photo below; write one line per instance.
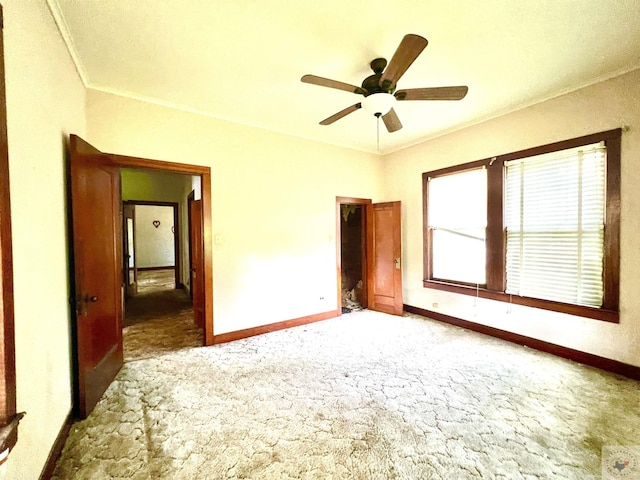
(496, 238)
(467, 167)
(8, 418)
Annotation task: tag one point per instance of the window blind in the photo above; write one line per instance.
(554, 219)
(457, 217)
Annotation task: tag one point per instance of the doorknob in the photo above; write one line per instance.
(397, 263)
(81, 304)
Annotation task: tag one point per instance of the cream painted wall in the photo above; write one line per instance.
(45, 102)
(273, 203)
(154, 245)
(607, 105)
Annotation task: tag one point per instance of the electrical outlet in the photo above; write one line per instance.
(434, 304)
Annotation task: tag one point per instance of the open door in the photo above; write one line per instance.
(97, 258)
(197, 264)
(385, 278)
(130, 270)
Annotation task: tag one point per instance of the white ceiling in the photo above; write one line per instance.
(241, 60)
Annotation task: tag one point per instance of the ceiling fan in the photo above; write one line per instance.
(378, 89)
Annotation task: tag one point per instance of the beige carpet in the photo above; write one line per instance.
(363, 396)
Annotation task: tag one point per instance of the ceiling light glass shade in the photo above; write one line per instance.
(378, 103)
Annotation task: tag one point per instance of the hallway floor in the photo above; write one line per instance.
(159, 319)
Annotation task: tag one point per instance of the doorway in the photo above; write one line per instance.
(158, 312)
(96, 221)
(201, 188)
(151, 242)
(351, 236)
(352, 258)
(369, 244)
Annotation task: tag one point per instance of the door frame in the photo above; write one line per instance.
(124, 161)
(8, 417)
(128, 253)
(176, 232)
(367, 246)
(196, 264)
(190, 198)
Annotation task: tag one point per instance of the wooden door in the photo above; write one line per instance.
(385, 279)
(97, 257)
(130, 270)
(197, 264)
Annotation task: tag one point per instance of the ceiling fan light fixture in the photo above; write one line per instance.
(378, 103)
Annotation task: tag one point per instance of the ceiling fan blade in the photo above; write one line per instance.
(410, 47)
(340, 114)
(391, 121)
(326, 82)
(435, 93)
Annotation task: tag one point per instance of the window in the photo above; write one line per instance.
(551, 227)
(554, 222)
(457, 228)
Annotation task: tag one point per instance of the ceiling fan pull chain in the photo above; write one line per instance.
(378, 131)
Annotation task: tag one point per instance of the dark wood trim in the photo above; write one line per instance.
(151, 203)
(207, 234)
(585, 358)
(611, 270)
(169, 267)
(496, 238)
(7, 336)
(56, 449)
(562, 145)
(129, 213)
(190, 198)
(427, 271)
(273, 327)
(125, 161)
(578, 310)
(369, 232)
(456, 169)
(367, 248)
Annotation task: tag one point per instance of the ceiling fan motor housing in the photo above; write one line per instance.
(372, 83)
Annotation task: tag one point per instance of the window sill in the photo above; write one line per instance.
(611, 316)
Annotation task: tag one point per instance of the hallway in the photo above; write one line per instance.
(159, 319)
